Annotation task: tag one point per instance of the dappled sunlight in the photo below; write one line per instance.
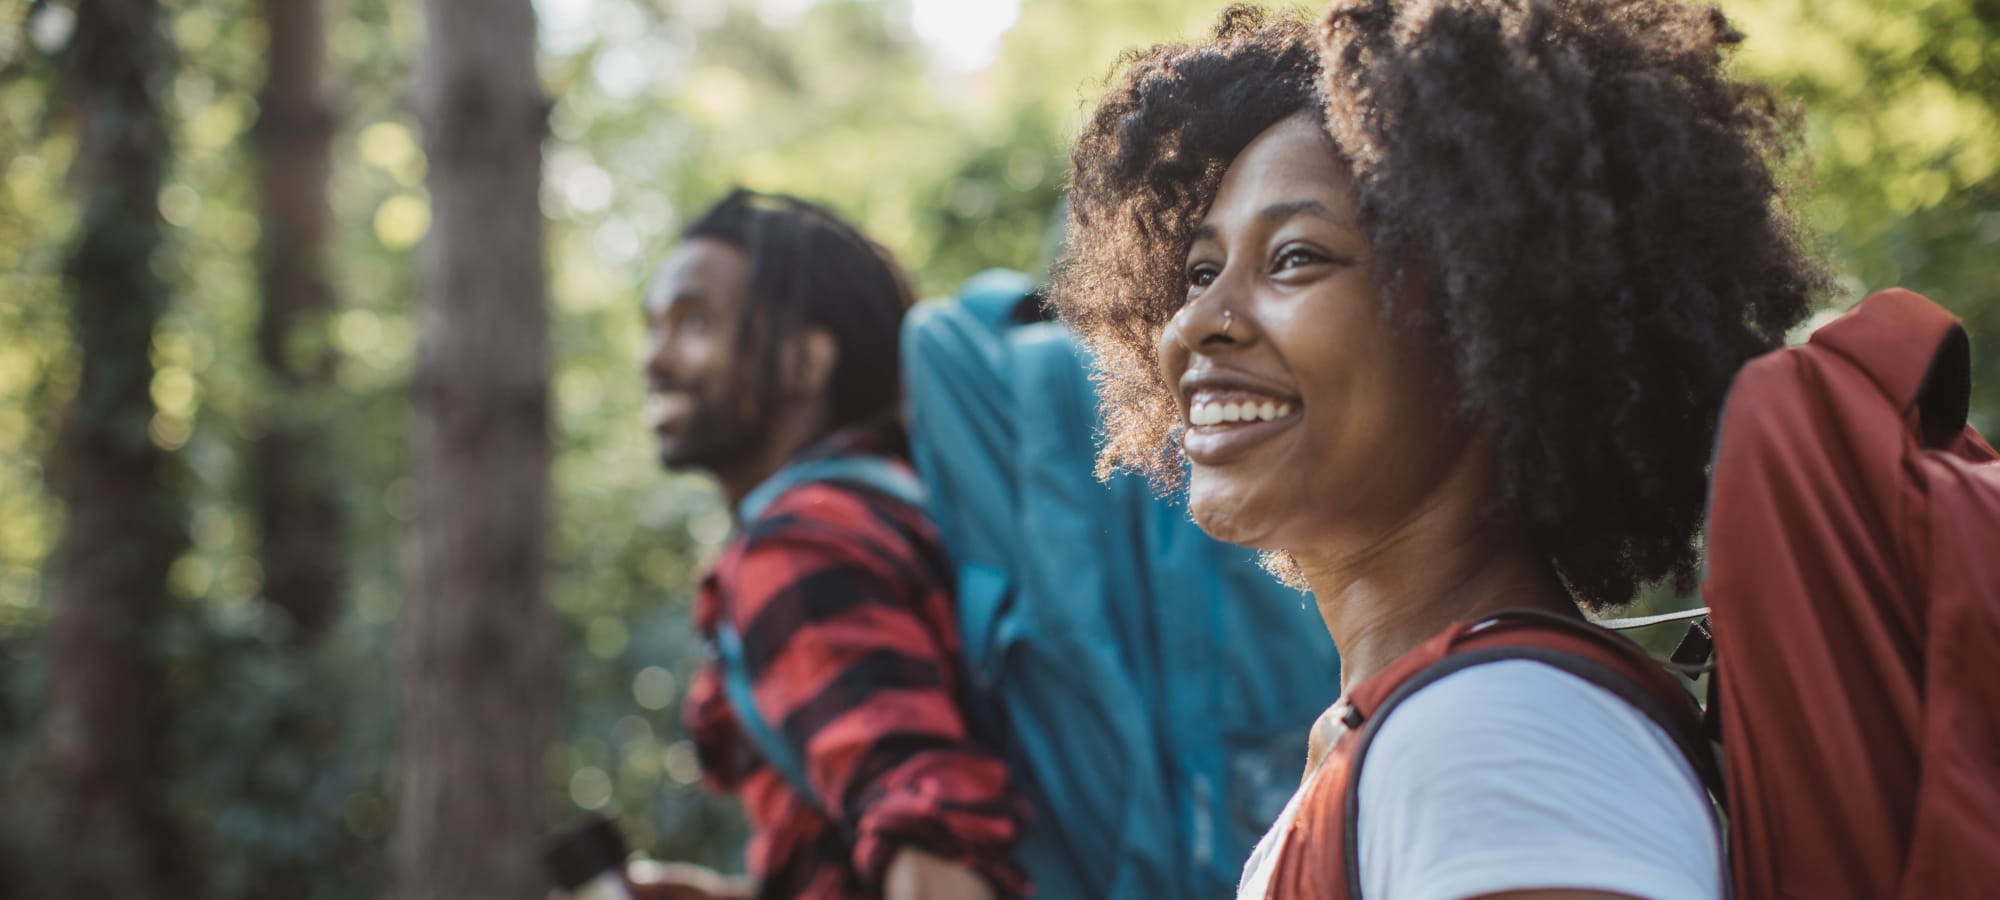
(941, 127)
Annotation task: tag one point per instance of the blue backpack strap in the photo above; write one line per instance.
(872, 472)
(769, 743)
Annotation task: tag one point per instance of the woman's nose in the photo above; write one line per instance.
(1209, 321)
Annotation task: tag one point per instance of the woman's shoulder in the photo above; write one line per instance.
(1516, 775)
(1528, 706)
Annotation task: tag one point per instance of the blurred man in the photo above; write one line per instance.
(772, 364)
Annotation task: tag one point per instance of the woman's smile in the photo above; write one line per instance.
(1228, 417)
(1224, 442)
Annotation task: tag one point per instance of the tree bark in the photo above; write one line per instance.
(294, 487)
(476, 623)
(123, 525)
(297, 494)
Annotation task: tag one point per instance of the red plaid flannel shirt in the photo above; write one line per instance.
(842, 598)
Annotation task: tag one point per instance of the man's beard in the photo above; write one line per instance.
(716, 439)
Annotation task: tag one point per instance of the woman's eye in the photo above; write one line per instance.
(1201, 276)
(1294, 257)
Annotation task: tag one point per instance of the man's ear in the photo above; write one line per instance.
(810, 362)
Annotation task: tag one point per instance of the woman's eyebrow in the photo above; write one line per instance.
(1277, 213)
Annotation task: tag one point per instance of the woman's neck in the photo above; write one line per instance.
(1382, 594)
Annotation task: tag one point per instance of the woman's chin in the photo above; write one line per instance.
(1225, 517)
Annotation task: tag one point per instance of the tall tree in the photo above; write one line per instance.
(475, 626)
(297, 499)
(122, 525)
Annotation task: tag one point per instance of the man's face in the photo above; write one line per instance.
(692, 314)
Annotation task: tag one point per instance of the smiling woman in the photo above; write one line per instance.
(1590, 291)
(1281, 312)
(1437, 306)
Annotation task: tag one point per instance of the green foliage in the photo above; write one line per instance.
(284, 760)
(281, 756)
(1903, 104)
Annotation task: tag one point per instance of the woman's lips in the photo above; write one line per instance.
(1222, 425)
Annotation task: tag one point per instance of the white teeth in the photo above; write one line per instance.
(1211, 413)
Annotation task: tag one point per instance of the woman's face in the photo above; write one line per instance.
(1306, 418)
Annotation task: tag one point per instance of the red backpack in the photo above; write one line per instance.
(1854, 589)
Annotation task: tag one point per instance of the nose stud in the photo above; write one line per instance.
(1228, 319)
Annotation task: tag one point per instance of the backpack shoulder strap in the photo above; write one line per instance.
(874, 473)
(1579, 648)
(772, 746)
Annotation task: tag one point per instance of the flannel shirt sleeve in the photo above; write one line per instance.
(851, 643)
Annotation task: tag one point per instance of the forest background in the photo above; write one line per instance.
(214, 678)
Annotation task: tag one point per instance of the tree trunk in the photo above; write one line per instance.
(293, 465)
(298, 504)
(122, 524)
(476, 623)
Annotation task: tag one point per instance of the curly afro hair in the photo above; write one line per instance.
(1595, 211)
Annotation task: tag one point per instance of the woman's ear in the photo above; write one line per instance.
(809, 363)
